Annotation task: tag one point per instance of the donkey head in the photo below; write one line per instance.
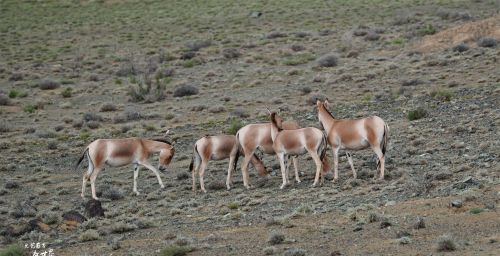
(277, 120)
(166, 156)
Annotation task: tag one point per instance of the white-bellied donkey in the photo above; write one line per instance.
(298, 142)
(354, 134)
(121, 152)
(218, 148)
(253, 136)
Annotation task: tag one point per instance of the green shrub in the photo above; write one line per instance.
(233, 205)
(417, 114)
(476, 210)
(235, 125)
(441, 94)
(13, 93)
(175, 250)
(12, 250)
(29, 108)
(89, 235)
(67, 92)
(427, 30)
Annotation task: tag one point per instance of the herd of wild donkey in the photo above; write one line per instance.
(283, 138)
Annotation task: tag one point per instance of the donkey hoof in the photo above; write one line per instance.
(298, 181)
(96, 198)
(137, 193)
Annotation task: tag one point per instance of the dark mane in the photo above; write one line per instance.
(163, 140)
(328, 111)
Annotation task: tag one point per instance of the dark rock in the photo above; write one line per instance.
(457, 203)
(385, 223)
(461, 47)
(74, 216)
(11, 184)
(255, 14)
(93, 208)
(188, 55)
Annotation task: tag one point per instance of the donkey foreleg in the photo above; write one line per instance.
(335, 164)
(153, 169)
(349, 158)
(281, 157)
(136, 174)
(295, 165)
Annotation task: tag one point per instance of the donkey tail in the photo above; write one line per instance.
(81, 158)
(195, 155)
(385, 139)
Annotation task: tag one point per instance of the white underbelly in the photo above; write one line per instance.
(118, 161)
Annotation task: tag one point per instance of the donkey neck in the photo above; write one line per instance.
(154, 146)
(274, 130)
(326, 119)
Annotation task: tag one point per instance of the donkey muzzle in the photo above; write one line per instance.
(162, 168)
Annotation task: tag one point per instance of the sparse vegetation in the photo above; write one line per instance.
(487, 42)
(185, 90)
(89, 235)
(328, 60)
(175, 250)
(234, 126)
(441, 94)
(476, 210)
(48, 84)
(428, 29)
(4, 100)
(446, 244)
(416, 114)
(12, 250)
(233, 205)
(67, 92)
(276, 238)
(108, 107)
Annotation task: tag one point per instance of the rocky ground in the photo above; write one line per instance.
(72, 72)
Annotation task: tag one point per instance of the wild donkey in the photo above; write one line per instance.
(253, 136)
(218, 148)
(121, 152)
(354, 135)
(297, 142)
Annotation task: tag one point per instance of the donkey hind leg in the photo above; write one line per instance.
(203, 166)
(281, 157)
(136, 174)
(153, 169)
(295, 165)
(230, 170)
(319, 167)
(93, 177)
(244, 168)
(349, 158)
(381, 161)
(335, 164)
(86, 176)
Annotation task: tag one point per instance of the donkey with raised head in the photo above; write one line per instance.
(354, 134)
(298, 142)
(218, 148)
(121, 152)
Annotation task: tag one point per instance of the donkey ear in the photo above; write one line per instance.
(318, 102)
(327, 104)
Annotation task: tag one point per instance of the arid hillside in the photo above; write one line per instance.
(75, 71)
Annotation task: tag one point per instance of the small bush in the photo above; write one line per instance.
(175, 250)
(122, 227)
(182, 176)
(275, 34)
(298, 59)
(233, 205)
(446, 244)
(372, 36)
(427, 30)
(295, 252)
(404, 240)
(487, 42)
(4, 128)
(476, 210)
(89, 116)
(108, 107)
(13, 93)
(328, 60)
(164, 72)
(4, 100)
(297, 48)
(147, 91)
(441, 94)
(276, 238)
(185, 90)
(198, 44)
(235, 125)
(191, 63)
(89, 235)
(48, 84)
(231, 53)
(461, 47)
(127, 69)
(372, 217)
(216, 109)
(29, 108)
(416, 114)
(13, 250)
(52, 145)
(112, 193)
(216, 185)
(16, 77)
(419, 224)
(66, 93)
(270, 250)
